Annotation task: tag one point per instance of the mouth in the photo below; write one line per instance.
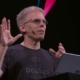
(42, 31)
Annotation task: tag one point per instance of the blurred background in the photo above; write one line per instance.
(63, 22)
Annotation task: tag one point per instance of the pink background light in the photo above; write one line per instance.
(48, 5)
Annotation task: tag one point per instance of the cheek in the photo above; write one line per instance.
(31, 26)
(28, 28)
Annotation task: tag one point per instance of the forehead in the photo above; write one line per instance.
(33, 15)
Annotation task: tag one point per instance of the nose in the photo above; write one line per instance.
(42, 24)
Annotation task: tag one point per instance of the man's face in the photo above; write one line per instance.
(35, 26)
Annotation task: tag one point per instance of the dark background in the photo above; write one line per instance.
(63, 18)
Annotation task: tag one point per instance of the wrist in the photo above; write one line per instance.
(3, 47)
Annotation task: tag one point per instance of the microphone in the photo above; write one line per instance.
(33, 32)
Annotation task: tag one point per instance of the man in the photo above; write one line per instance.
(27, 61)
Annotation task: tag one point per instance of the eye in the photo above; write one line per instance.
(45, 22)
(36, 20)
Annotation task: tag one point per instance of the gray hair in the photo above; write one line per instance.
(21, 16)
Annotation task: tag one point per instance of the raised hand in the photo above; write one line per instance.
(5, 35)
(60, 51)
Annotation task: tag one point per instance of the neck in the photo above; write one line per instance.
(29, 43)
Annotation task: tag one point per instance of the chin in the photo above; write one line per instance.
(40, 39)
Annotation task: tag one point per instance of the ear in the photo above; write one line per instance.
(22, 28)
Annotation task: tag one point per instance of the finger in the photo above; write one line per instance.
(17, 37)
(61, 47)
(1, 29)
(62, 50)
(8, 27)
(1, 32)
(53, 51)
(60, 44)
(4, 23)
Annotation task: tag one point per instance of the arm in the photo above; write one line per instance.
(6, 39)
(2, 54)
(1, 72)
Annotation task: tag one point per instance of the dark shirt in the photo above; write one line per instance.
(21, 63)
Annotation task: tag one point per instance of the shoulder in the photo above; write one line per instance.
(14, 47)
(48, 52)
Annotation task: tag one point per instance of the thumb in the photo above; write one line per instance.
(53, 51)
(13, 39)
(17, 37)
